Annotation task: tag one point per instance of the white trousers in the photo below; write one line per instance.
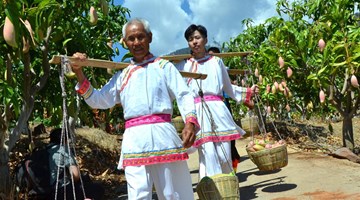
(172, 181)
(214, 158)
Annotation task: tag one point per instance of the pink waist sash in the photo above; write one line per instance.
(209, 98)
(148, 119)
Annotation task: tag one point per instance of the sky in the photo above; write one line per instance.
(222, 18)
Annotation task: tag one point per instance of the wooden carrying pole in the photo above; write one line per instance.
(221, 55)
(114, 65)
(174, 58)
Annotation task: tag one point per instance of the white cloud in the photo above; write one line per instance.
(222, 19)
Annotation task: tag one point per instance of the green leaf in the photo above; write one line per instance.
(312, 77)
(321, 71)
(339, 64)
(66, 41)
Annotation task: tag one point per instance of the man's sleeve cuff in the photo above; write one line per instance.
(85, 89)
(191, 118)
(248, 95)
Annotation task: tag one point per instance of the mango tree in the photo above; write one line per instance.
(33, 31)
(291, 56)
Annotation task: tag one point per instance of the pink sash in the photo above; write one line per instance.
(209, 98)
(148, 119)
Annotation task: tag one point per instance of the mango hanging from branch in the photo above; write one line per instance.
(256, 72)
(268, 88)
(321, 45)
(104, 7)
(260, 79)
(287, 107)
(322, 96)
(354, 81)
(281, 62)
(93, 16)
(9, 33)
(289, 72)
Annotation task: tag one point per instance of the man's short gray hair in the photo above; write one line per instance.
(144, 22)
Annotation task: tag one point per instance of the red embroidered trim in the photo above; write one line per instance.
(84, 87)
(209, 98)
(130, 72)
(148, 119)
(155, 159)
(216, 139)
(128, 77)
(194, 121)
(248, 95)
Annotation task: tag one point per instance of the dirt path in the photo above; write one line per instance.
(310, 176)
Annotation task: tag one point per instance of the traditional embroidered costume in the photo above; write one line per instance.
(146, 91)
(214, 147)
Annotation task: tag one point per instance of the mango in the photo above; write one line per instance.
(276, 84)
(287, 107)
(256, 72)
(251, 149)
(273, 89)
(9, 33)
(258, 147)
(268, 110)
(70, 75)
(93, 16)
(268, 88)
(322, 96)
(104, 7)
(281, 88)
(281, 62)
(354, 81)
(289, 72)
(260, 79)
(321, 45)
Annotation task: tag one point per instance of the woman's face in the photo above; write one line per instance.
(197, 43)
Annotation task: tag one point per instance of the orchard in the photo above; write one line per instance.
(308, 60)
(32, 31)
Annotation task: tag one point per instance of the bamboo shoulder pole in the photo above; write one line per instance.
(113, 65)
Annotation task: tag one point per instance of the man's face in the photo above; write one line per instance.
(197, 42)
(138, 41)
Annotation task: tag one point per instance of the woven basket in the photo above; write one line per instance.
(269, 159)
(250, 125)
(178, 123)
(221, 186)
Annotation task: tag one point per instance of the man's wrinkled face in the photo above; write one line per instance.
(138, 41)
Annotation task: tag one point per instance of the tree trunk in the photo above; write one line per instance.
(348, 133)
(4, 174)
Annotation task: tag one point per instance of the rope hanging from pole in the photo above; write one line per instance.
(206, 110)
(67, 136)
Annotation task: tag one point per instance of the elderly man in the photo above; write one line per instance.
(152, 152)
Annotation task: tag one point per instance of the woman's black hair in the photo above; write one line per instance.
(214, 49)
(55, 136)
(192, 28)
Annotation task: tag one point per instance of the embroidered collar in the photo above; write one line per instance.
(147, 59)
(201, 60)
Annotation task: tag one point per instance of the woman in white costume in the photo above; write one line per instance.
(152, 152)
(217, 125)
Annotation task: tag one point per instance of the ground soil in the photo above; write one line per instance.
(311, 173)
